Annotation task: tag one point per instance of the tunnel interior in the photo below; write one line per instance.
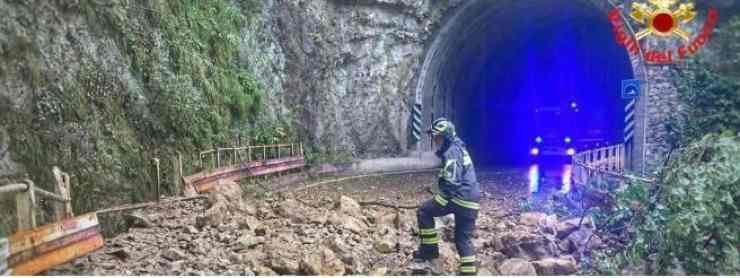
(517, 72)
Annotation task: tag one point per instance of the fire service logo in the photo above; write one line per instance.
(661, 18)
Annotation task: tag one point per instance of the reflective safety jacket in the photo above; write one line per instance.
(457, 180)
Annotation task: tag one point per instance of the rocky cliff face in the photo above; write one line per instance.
(350, 66)
(102, 87)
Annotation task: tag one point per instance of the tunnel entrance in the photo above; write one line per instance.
(516, 76)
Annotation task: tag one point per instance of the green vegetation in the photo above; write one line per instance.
(710, 90)
(182, 89)
(714, 100)
(687, 223)
(207, 96)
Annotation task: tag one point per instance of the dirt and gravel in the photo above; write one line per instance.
(336, 229)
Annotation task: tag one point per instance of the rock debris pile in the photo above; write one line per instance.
(326, 236)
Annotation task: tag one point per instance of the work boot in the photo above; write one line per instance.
(420, 256)
(425, 263)
(468, 269)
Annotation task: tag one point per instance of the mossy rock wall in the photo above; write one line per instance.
(101, 88)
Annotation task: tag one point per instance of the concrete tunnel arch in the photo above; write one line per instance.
(465, 40)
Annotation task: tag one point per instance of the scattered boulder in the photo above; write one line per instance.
(497, 258)
(284, 266)
(580, 238)
(137, 220)
(595, 243)
(323, 262)
(354, 262)
(527, 242)
(566, 227)
(120, 253)
(496, 243)
(262, 270)
(382, 217)
(349, 206)
(249, 241)
(408, 221)
(349, 223)
(244, 208)
(432, 267)
(282, 256)
(174, 254)
(556, 266)
(567, 246)
(264, 212)
(107, 266)
(532, 218)
(517, 266)
(292, 210)
(339, 246)
(380, 271)
(485, 271)
(384, 246)
(191, 230)
(261, 231)
(544, 221)
(248, 222)
(488, 266)
(227, 191)
(213, 216)
(447, 257)
(317, 217)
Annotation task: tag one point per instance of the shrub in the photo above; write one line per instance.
(688, 221)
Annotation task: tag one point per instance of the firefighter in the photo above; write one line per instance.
(459, 194)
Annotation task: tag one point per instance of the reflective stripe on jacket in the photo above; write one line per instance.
(457, 180)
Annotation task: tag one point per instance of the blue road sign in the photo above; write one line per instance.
(630, 88)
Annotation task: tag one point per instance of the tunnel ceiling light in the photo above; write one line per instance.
(534, 151)
(538, 139)
(571, 151)
(567, 139)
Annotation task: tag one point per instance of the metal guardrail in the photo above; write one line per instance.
(236, 155)
(610, 158)
(28, 252)
(26, 195)
(32, 249)
(270, 159)
(598, 163)
(602, 164)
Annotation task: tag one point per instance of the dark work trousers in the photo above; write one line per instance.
(464, 226)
